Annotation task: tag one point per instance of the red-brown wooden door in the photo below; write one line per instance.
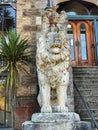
(81, 34)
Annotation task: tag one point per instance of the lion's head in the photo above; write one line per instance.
(53, 44)
(57, 47)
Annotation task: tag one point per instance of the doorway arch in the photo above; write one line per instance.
(89, 1)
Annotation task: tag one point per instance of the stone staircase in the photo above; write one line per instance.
(86, 79)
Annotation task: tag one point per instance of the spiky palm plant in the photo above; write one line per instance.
(15, 55)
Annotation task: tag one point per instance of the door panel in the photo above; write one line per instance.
(81, 38)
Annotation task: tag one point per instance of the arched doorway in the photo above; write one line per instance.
(82, 31)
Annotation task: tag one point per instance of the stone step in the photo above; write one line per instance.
(85, 76)
(87, 98)
(79, 83)
(85, 71)
(85, 109)
(75, 71)
(89, 91)
(94, 79)
(91, 121)
(86, 79)
(84, 85)
(83, 113)
(81, 106)
(85, 68)
(88, 119)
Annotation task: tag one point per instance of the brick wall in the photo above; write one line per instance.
(26, 106)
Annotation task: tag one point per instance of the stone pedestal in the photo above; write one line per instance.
(56, 121)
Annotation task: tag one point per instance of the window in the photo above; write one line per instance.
(83, 42)
(7, 17)
(71, 37)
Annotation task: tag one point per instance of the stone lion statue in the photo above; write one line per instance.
(53, 62)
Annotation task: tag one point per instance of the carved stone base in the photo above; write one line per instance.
(56, 121)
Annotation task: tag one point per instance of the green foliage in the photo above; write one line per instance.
(15, 55)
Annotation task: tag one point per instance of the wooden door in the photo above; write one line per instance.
(81, 34)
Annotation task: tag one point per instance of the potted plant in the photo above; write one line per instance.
(15, 55)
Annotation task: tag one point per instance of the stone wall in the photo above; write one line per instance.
(26, 93)
(26, 14)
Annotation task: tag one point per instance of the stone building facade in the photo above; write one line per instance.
(27, 11)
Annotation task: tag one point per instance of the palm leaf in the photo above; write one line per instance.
(14, 50)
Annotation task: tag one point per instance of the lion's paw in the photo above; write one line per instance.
(46, 109)
(61, 109)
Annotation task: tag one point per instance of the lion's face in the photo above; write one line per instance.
(56, 47)
(54, 43)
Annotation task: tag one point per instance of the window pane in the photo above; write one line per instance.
(83, 42)
(7, 18)
(70, 35)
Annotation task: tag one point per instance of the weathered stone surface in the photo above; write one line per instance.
(55, 117)
(82, 125)
(53, 61)
(68, 125)
(56, 121)
(49, 126)
(86, 79)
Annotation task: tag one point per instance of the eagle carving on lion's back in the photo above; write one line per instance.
(53, 63)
